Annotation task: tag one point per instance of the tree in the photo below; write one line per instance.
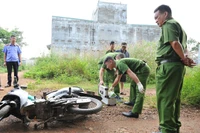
(5, 36)
(5, 39)
(193, 47)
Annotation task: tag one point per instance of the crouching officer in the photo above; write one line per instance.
(138, 71)
(109, 74)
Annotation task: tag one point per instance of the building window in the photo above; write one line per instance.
(109, 32)
(56, 28)
(93, 31)
(65, 29)
(85, 43)
(86, 30)
(131, 31)
(78, 29)
(70, 29)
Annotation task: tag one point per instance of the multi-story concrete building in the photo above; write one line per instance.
(72, 36)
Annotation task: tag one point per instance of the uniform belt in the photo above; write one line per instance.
(169, 60)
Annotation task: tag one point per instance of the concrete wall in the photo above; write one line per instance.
(112, 13)
(72, 36)
(127, 33)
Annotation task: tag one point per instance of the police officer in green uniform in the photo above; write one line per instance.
(171, 59)
(109, 74)
(112, 47)
(138, 71)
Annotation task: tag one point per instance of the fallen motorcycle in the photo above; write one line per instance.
(64, 104)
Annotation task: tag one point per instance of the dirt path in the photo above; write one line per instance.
(109, 120)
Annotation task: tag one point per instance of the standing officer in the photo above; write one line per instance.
(112, 47)
(139, 72)
(170, 71)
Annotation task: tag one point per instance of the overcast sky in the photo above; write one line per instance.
(34, 17)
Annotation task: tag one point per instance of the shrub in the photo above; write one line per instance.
(64, 70)
(191, 87)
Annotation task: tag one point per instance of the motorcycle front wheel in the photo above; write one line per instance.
(93, 107)
(4, 111)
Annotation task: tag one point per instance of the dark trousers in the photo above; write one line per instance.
(15, 66)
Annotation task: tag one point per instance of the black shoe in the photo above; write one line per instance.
(159, 128)
(7, 85)
(130, 114)
(129, 103)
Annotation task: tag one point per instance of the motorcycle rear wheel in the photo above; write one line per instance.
(91, 109)
(4, 111)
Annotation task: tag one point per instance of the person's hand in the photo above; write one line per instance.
(188, 61)
(140, 87)
(111, 88)
(101, 83)
(4, 63)
(191, 62)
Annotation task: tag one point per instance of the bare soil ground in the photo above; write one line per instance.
(109, 120)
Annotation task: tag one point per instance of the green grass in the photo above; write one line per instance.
(3, 69)
(150, 101)
(39, 85)
(151, 86)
